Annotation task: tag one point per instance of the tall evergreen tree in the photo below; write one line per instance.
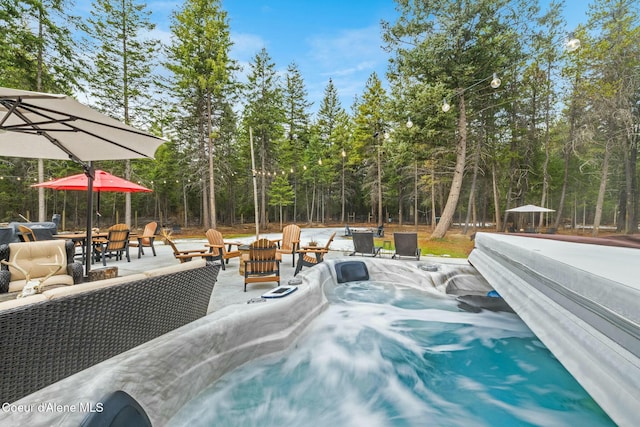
(615, 95)
(332, 125)
(459, 44)
(297, 117)
(280, 194)
(264, 113)
(371, 131)
(38, 53)
(547, 43)
(203, 81)
(121, 76)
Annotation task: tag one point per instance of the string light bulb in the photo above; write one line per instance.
(572, 44)
(409, 123)
(495, 81)
(445, 105)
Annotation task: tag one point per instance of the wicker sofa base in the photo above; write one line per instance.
(44, 342)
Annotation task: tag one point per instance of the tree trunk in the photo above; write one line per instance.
(601, 191)
(472, 191)
(415, 196)
(212, 185)
(630, 153)
(563, 192)
(433, 198)
(458, 174)
(545, 165)
(496, 197)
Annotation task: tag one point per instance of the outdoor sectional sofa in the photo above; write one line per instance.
(49, 336)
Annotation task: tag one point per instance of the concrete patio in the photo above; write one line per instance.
(229, 287)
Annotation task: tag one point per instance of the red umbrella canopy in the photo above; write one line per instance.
(103, 181)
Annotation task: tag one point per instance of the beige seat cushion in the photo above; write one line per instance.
(86, 287)
(65, 279)
(196, 263)
(19, 302)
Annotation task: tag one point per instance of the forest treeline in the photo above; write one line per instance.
(490, 104)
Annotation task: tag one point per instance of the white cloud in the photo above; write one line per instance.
(348, 57)
(245, 46)
(158, 34)
(349, 51)
(363, 66)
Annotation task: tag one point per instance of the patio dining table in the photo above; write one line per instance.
(79, 238)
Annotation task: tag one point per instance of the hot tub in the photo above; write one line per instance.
(171, 371)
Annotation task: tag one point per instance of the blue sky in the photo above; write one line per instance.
(337, 39)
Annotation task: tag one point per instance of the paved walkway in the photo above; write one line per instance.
(229, 288)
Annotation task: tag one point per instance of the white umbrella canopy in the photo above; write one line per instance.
(533, 209)
(51, 126)
(530, 208)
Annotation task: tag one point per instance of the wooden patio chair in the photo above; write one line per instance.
(27, 233)
(262, 263)
(308, 257)
(406, 244)
(363, 244)
(146, 239)
(290, 242)
(188, 254)
(220, 248)
(116, 244)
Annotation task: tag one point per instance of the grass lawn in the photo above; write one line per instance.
(454, 244)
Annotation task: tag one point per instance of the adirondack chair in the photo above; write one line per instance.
(146, 239)
(290, 242)
(308, 257)
(186, 255)
(220, 248)
(116, 244)
(262, 263)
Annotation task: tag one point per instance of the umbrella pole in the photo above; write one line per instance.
(98, 212)
(88, 249)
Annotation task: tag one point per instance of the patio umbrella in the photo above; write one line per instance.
(103, 181)
(530, 208)
(50, 126)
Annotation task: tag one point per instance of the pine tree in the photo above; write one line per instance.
(296, 111)
(121, 77)
(38, 53)
(370, 134)
(332, 125)
(459, 45)
(264, 113)
(203, 80)
(280, 194)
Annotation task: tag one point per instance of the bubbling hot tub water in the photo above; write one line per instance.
(388, 355)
